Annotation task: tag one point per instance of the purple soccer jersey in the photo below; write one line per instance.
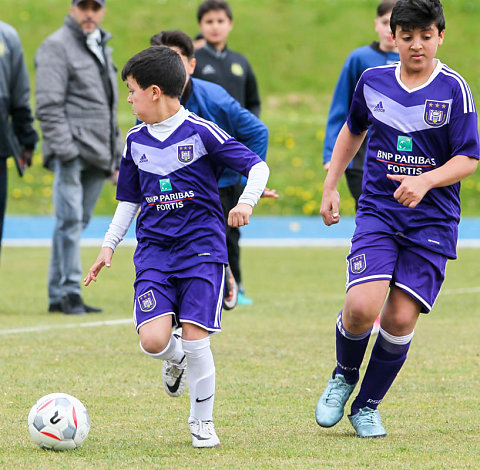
(181, 222)
(411, 132)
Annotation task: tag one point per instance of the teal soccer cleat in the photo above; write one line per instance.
(330, 406)
(367, 423)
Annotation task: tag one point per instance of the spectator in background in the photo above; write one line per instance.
(17, 135)
(381, 52)
(216, 63)
(76, 95)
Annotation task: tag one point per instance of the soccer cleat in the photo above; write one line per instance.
(243, 299)
(203, 433)
(174, 377)
(72, 304)
(367, 423)
(376, 326)
(330, 406)
(231, 290)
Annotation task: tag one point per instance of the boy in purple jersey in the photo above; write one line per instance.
(423, 141)
(169, 171)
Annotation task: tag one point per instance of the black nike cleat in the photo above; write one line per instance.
(174, 377)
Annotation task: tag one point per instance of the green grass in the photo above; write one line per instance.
(272, 362)
(296, 47)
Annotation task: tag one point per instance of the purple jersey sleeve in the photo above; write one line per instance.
(357, 120)
(128, 185)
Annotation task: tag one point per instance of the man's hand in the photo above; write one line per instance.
(104, 259)
(411, 189)
(329, 207)
(239, 215)
(26, 157)
(270, 193)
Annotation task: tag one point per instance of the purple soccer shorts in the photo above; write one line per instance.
(380, 256)
(193, 295)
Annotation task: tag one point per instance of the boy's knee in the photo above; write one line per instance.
(153, 344)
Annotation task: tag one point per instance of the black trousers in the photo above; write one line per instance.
(229, 198)
(354, 181)
(3, 194)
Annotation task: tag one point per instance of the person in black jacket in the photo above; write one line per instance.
(17, 135)
(216, 63)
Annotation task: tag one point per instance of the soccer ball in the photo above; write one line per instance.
(58, 421)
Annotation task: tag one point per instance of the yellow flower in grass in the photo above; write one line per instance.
(297, 162)
(310, 208)
(47, 178)
(290, 190)
(289, 143)
(320, 135)
(17, 193)
(47, 192)
(28, 178)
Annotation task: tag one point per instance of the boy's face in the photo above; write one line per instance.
(418, 47)
(141, 100)
(88, 14)
(215, 27)
(382, 28)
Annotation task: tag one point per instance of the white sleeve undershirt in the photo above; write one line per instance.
(124, 215)
(257, 180)
(127, 211)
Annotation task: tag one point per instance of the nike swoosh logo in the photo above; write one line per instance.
(199, 400)
(200, 438)
(175, 386)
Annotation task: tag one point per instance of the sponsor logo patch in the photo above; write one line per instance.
(185, 153)
(358, 264)
(237, 69)
(435, 113)
(404, 143)
(147, 301)
(165, 185)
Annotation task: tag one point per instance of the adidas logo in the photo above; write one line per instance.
(143, 159)
(379, 108)
(208, 69)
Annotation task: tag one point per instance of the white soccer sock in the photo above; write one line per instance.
(173, 352)
(201, 378)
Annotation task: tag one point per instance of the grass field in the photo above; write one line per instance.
(272, 361)
(297, 49)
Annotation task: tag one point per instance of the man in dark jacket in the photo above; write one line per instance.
(76, 95)
(17, 135)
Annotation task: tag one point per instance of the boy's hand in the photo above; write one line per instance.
(271, 193)
(239, 215)
(104, 259)
(329, 208)
(411, 189)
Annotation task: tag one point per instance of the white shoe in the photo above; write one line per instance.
(173, 374)
(203, 433)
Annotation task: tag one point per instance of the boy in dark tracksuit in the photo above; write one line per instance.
(216, 63)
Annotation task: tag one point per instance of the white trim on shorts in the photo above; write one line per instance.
(376, 277)
(414, 294)
(137, 327)
(218, 312)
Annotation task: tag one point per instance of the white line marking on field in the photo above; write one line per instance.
(36, 329)
(462, 290)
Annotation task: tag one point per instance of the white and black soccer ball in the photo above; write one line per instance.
(59, 422)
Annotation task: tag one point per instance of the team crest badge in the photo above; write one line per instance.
(185, 153)
(147, 301)
(436, 113)
(358, 264)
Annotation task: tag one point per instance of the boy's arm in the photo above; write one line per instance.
(346, 147)
(412, 189)
(257, 180)
(124, 215)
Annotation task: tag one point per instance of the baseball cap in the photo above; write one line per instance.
(100, 2)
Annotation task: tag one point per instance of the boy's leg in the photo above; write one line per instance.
(363, 302)
(201, 383)
(389, 353)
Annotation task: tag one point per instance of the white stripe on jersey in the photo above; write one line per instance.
(214, 125)
(466, 93)
(213, 128)
(136, 128)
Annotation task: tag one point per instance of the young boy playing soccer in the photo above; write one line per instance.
(169, 171)
(423, 141)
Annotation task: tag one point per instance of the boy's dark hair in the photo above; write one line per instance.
(174, 38)
(157, 65)
(411, 14)
(384, 7)
(213, 5)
